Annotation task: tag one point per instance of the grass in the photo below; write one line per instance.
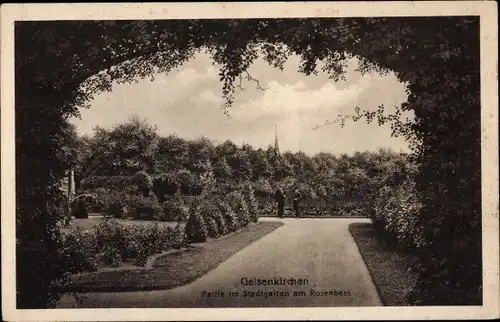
(175, 269)
(388, 267)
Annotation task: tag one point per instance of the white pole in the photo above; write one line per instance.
(71, 185)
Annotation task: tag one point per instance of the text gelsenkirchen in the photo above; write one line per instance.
(274, 281)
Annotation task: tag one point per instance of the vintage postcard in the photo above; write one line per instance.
(249, 161)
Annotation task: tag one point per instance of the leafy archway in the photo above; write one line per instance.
(60, 65)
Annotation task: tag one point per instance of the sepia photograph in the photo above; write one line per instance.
(202, 156)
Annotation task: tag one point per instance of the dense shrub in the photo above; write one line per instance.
(146, 240)
(110, 256)
(40, 264)
(80, 210)
(188, 183)
(396, 213)
(263, 188)
(173, 209)
(94, 198)
(215, 209)
(179, 238)
(213, 229)
(243, 213)
(143, 181)
(253, 206)
(122, 204)
(208, 207)
(111, 240)
(228, 216)
(165, 184)
(146, 208)
(240, 208)
(115, 204)
(266, 205)
(196, 229)
(79, 251)
(221, 223)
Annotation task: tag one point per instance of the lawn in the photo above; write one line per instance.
(388, 267)
(175, 269)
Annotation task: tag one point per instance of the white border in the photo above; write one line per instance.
(118, 11)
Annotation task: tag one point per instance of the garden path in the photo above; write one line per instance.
(321, 251)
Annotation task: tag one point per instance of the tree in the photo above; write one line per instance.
(272, 157)
(241, 165)
(83, 156)
(206, 176)
(172, 153)
(222, 170)
(127, 148)
(187, 183)
(261, 165)
(70, 151)
(226, 149)
(283, 169)
(200, 149)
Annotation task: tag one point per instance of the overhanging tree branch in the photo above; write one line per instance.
(249, 77)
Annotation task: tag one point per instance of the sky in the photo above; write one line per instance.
(188, 102)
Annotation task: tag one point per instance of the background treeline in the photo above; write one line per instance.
(131, 164)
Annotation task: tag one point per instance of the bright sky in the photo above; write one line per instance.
(187, 102)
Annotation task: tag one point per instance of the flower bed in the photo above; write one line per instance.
(110, 243)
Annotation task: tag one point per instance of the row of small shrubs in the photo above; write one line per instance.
(216, 216)
(110, 243)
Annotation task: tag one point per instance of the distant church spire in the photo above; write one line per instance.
(276, 142)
